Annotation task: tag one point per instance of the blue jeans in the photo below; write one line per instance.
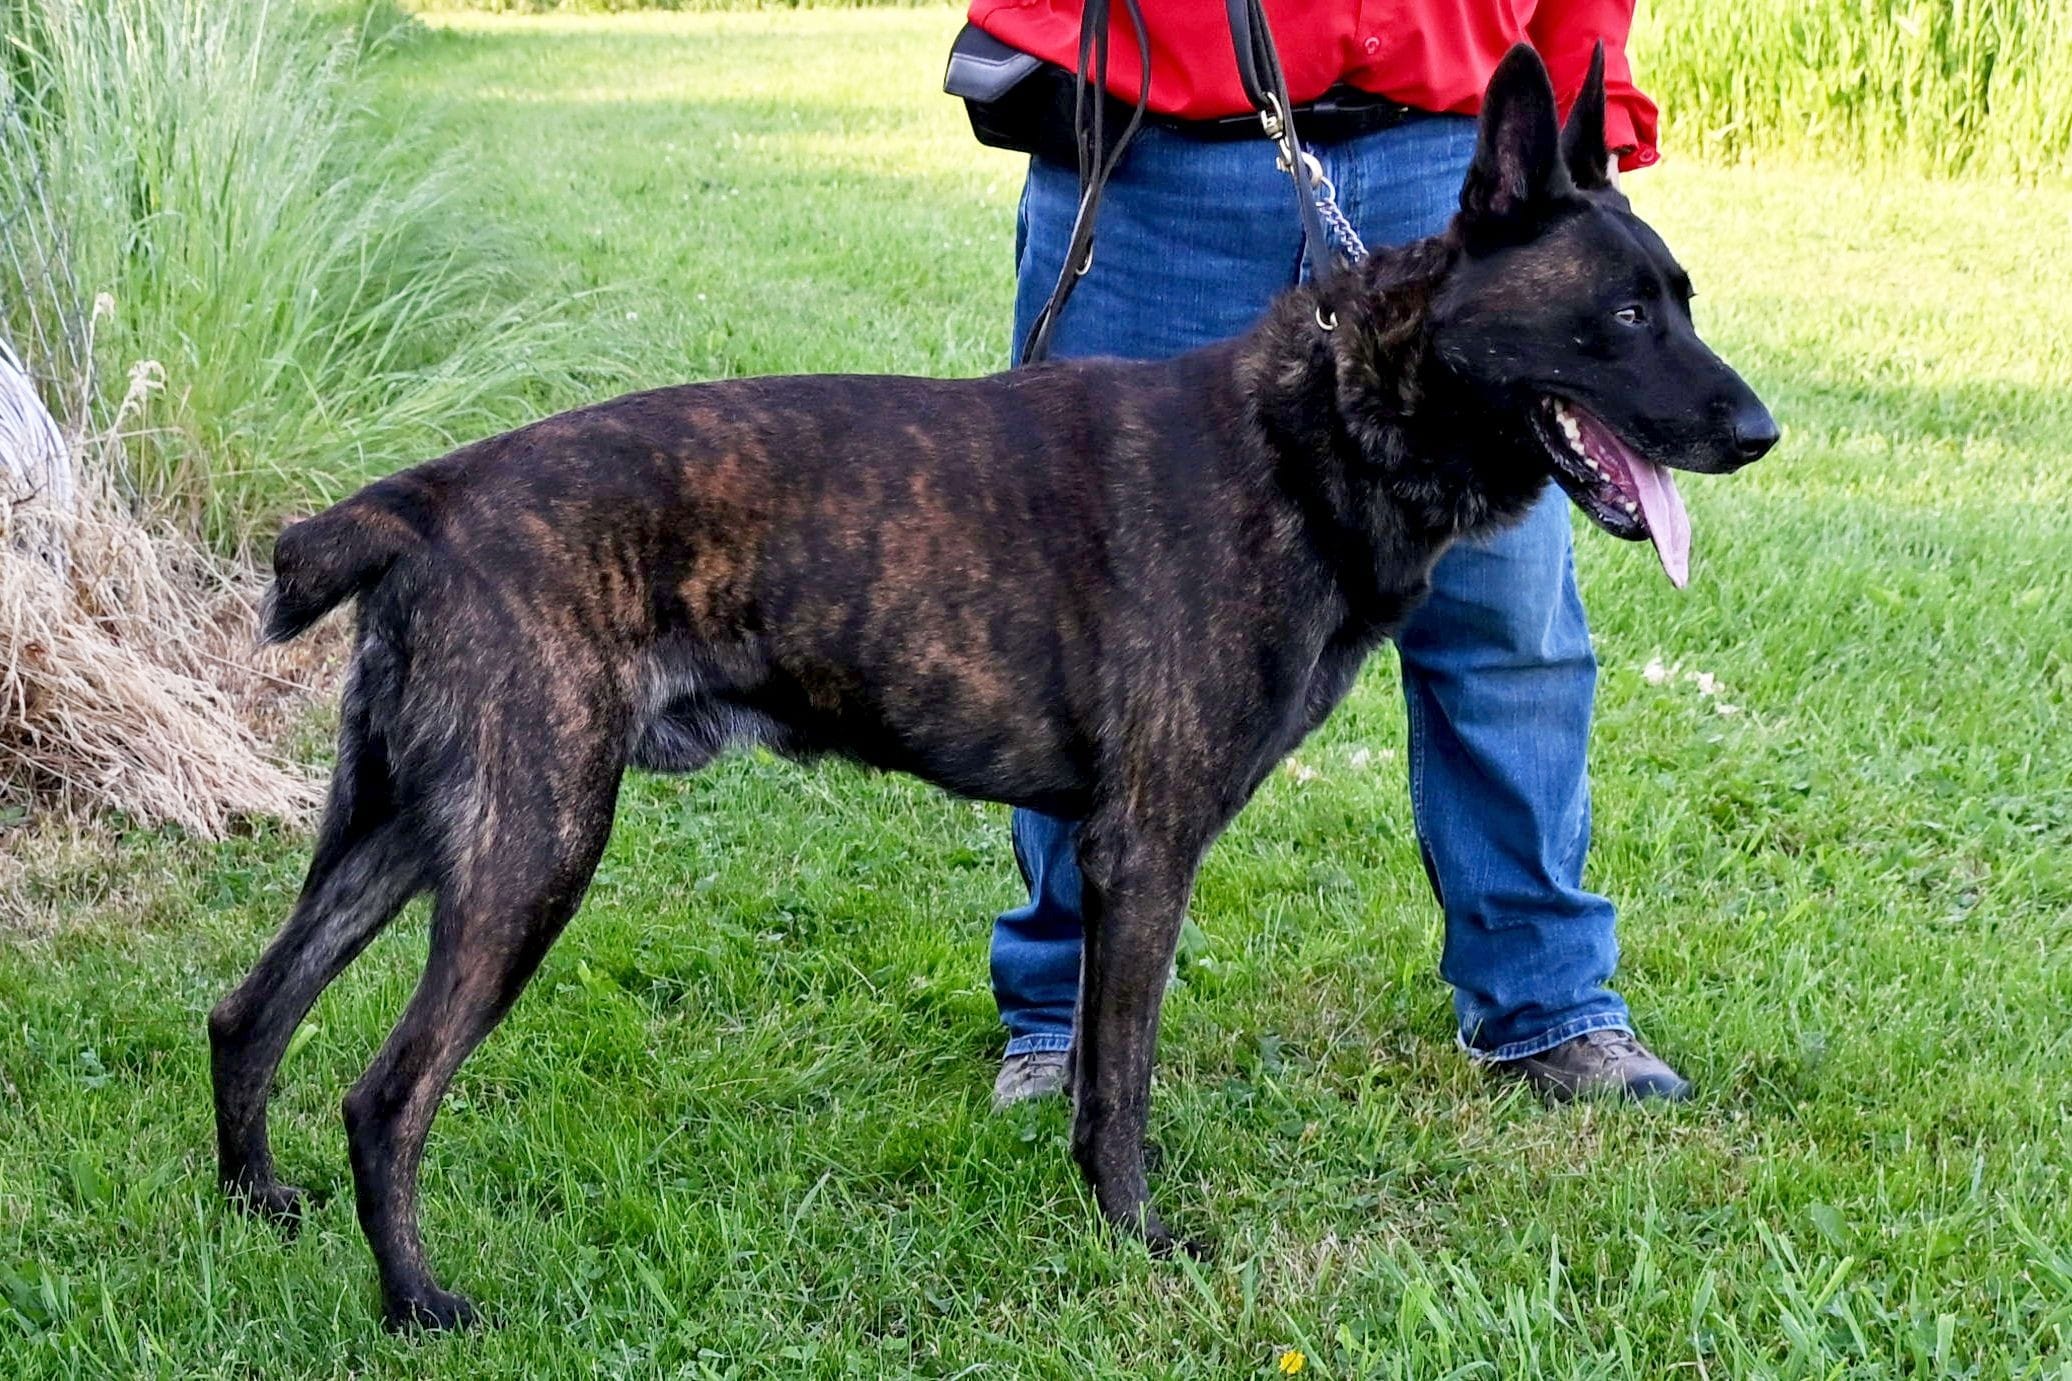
(1498, 676)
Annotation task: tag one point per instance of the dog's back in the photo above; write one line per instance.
(950, 578)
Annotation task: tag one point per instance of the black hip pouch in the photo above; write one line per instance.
(1018, 101)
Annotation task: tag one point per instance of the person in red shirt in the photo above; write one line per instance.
(1430, 55)
(1196, 233)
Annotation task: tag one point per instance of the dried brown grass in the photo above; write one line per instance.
(131, 683)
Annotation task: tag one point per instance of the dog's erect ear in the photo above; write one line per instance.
(1582, 138)
(1517, 158)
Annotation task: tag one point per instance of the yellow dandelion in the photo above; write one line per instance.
(1291, 1362)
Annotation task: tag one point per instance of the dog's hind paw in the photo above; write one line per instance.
(1166, 1246)
(435, 1310)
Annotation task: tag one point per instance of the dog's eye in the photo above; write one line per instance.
(1634, 315)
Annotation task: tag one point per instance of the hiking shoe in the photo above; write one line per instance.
(1037, 1074)
(1599, 1064)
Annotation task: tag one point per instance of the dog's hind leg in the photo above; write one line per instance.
(366, 866)
(1136, 889)
(521, 860)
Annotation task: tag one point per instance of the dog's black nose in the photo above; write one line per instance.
(1755, 432)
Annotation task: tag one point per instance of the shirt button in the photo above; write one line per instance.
(1372, 45)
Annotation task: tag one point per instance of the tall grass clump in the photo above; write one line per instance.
(316, 303)
(1947, 86)
(129, 682)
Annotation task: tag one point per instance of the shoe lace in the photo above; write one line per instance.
(1615, 1045)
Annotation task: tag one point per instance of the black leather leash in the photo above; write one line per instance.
(1266, 86)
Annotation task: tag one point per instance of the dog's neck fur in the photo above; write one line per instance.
(1363, 432)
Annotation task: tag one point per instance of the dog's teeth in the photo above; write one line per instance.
(1572, 430)
(1632, 507)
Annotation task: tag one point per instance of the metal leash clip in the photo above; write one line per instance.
(1325, 194)
(1322, 190)
(1270, 121)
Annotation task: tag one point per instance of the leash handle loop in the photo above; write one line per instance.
(1094, 168)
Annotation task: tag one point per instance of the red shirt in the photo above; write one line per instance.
(1432, 54)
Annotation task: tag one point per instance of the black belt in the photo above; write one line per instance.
(1343, 112)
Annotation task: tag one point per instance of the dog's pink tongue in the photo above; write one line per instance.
(1668, 524)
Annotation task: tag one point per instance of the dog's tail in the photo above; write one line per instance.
(321, 562)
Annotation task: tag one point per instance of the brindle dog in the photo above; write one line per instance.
(1113, 592)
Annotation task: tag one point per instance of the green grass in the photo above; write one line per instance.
(738, 1126)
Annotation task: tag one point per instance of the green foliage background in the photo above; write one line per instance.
(1944, 85)
(289, 262)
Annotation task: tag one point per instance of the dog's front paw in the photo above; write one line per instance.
(1161, 1241)
(1165, 1245)
(433, 1311)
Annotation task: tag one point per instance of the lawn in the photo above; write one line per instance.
(739, 1124)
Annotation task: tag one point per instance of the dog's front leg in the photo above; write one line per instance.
(1136, 890)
